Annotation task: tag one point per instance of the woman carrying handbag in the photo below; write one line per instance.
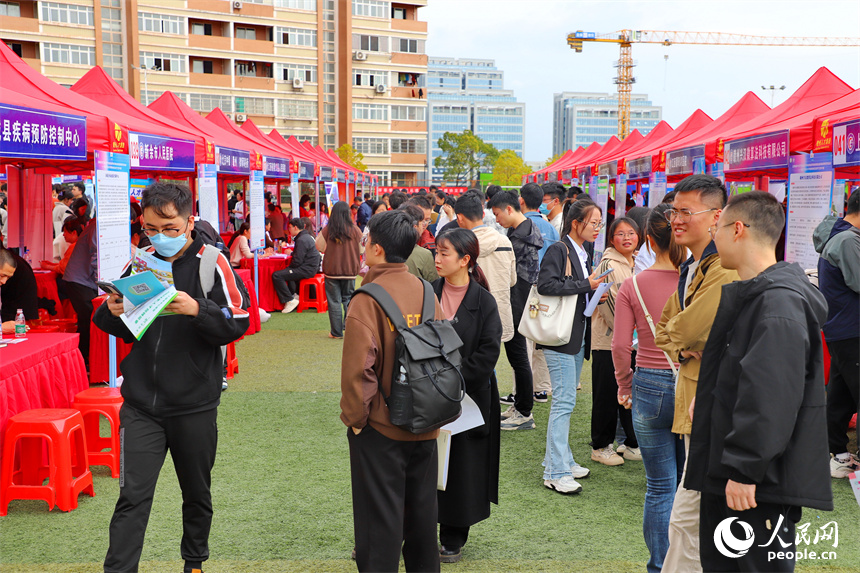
(639, 300)
(582, 223)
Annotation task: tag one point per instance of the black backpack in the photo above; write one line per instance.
(427, 386)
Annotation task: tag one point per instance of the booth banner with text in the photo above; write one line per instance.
(810, 187)
(846, 143)
(620, 195)
(608, 169)
(306, 171)
(325, 173)
(234, 161)
(682, 161)
(566, 176)
(276, 167)
(207, 193)
(160, 153)
(257, 206)
(113, 232)
(766, 151)
(553, 176)
(26, 132)
(639, 168)
(294, 194)
(656, 188)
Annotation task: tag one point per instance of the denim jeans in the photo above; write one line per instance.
(339, 293)
(563, 373)
(662, 453)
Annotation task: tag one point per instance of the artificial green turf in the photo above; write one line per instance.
(282, 494)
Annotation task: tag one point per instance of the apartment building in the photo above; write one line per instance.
(469, 94)
(326, 71)
(580, 118)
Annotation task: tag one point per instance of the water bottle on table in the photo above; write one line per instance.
(20, 324)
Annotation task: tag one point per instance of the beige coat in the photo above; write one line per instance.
(603, 319)
(688, 329)
(499, 265)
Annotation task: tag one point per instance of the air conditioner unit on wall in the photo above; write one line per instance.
(241, 117)
(237, 5)
(359, 56)
(381, 89)
(298, 84)
(229, 115)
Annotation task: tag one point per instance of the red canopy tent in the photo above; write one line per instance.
(591, 151)
(630, 142)
(263, 146)
(660, 130)
(654, 148)
(823, 134)
(554, 165)
(610, 147)
(295, 151)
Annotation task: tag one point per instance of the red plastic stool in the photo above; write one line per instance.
(232, 361)
(93, 404)
(67, 471)
(319, 301)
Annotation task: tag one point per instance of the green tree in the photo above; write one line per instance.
(509, 168)
(351, 157)
(464, 155)
(553, 159)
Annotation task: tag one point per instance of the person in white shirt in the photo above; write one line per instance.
(62, 209)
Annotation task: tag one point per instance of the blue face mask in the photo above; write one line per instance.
(543, 209)
(168, 246)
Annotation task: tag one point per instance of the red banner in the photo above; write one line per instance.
(412, 190)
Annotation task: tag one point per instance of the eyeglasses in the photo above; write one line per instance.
(683, 214)
(596, 225)
(629, 235)
(169, 232)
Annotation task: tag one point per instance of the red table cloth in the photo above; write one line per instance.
(44, 371)
(100, 350)
(254, 310)
(46, 287)
(267, 297)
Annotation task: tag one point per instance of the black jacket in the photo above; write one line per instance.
(20, 292)
(306, 258)
(760, 414)
(473, 472)
(177, 367)
(552, 282)
(527, 241)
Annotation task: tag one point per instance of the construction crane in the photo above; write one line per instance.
(626, 39)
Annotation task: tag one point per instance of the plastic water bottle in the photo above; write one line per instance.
(400, 400)
(26, 256)
(20, 324)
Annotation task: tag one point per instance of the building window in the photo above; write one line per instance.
(369, 78)
(207, 102)
(64, 13)
(201, 66)
(289, 72)
(200, 29)
(163, 62)
(371, 8)
(312, 139)
(246, 33)
(408, 113)
(409, 46)
(17, 48)
(297, 4)
(370, 145)
(69, 54)
(246, 69)
(10, 9)
(369, 43)
(301, 109)
(370, 111)
(398, 13)
(384, 177)
(160, 23)
(255, 105)
(297, 37)
(409, 146)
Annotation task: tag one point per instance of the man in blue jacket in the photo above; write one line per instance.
(172, 381)
(757, 449)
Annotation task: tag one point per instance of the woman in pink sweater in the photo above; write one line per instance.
(653, 384)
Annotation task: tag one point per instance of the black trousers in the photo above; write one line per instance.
(843, 392)
(516, 349)
(144, 440)
(287, 283)
(452, 536)
(605, 409)
(81, 298)
(394, 503)
(763, 519)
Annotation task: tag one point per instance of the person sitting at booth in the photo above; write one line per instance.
(239, 245)
(304, 265)
(71, 230)
(17, 290)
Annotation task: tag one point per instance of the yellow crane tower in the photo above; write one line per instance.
(626, 38)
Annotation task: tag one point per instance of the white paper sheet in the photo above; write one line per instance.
(470, 418)
(595, 298)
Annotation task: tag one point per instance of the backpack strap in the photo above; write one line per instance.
(428, 311)
(208, 262)
(384, 300)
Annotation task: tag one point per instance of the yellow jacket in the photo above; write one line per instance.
(688, 329)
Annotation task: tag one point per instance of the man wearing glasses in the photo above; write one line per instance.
(683, 331)
(172, 381)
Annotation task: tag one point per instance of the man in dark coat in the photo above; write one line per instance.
(758, 450)
(365, 212)
(304, 265)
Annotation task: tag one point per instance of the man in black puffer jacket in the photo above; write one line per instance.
(304, 264)
(758, 450)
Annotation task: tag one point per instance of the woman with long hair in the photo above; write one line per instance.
(340, 242)
(473, 469)
(239, 245)
(653, 384)
(582, 223)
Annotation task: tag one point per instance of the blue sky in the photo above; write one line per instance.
(527, 38)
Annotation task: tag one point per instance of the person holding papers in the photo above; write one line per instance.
(172, 379)
(473, 469)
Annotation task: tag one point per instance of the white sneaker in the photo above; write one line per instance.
(843, 464)
(580, 472)
(564, 484)
(631, 454)
(607, 456)
(508, 413)
(620, 449)
(518, 422)
(290, 306)
(264, 316)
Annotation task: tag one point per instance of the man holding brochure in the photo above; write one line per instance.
(172, 378)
